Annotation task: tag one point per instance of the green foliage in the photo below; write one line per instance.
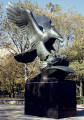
(33, 69)
(79, 70)
(75, 51)
(12, 76)
(53, 8)
(80, 98)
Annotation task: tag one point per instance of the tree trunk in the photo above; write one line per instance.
(13, 90)
(10, 95)
(13, 93)
(26, 72)
(81, 88)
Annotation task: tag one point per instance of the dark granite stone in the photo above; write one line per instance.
(55, 99)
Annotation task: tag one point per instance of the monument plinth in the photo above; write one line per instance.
(50, 98)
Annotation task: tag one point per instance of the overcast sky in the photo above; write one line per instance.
(79, 4)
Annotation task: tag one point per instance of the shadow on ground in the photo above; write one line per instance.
(16, 112)
(80, 110)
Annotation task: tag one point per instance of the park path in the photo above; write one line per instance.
(16, 112)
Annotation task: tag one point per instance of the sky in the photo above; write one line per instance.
(78, 4)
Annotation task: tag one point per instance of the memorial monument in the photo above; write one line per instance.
(48, 94)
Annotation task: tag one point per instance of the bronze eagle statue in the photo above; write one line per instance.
(38, 29)
(41, 35)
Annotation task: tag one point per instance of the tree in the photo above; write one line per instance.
(12, 76)
(53, 8)
(75, 51)
(65, 22)
(2, 22)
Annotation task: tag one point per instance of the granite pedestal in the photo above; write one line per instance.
(50, 98)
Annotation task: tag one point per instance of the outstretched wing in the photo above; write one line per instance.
(43, 21)
(24, 19)
(26, 57)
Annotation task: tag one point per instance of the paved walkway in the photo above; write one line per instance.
(16, 112)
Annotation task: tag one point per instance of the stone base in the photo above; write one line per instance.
(55, 99)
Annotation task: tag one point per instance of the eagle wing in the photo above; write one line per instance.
(26, 57)
(24, 19)
(45, 24)
(43, 21)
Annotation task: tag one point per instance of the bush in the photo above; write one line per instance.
(80, 98)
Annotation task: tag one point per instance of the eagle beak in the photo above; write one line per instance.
(56, 34)
(61, 39)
